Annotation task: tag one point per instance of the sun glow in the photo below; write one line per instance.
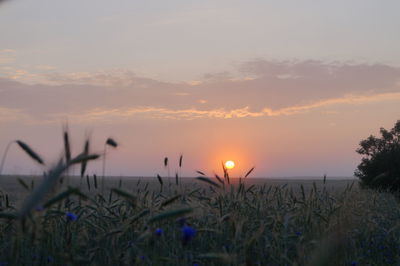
(229, 164)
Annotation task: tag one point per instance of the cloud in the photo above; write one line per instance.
(111, 78)
(45, 67)
(263, 89)
(9, 114)
(7, 56)
(108, 115)
(347, 100)
(149, 112)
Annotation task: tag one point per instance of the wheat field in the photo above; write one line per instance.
(143, 221)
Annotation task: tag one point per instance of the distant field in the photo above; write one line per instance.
(9, 184)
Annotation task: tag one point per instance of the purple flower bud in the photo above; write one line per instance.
(71, 216)
(159, 231)
(187, 233)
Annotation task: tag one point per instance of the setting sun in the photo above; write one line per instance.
(229, 164)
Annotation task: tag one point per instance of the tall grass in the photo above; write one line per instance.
(109, 142)
(26, 148)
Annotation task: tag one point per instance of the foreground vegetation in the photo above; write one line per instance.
(209, 223)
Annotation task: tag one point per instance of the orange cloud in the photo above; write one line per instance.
(99, 114)
(349, 99)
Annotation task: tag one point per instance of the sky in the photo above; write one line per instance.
(288, 88)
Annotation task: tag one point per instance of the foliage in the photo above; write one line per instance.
(380, 166)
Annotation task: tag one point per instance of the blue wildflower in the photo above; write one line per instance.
(354, 263)
(187, 233)
(196, 264)
(3, 263)
(50, 259)
(71, 216)
(298, 233)
(142, 257)
(159, 231)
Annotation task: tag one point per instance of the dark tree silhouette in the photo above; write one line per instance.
(380, 165)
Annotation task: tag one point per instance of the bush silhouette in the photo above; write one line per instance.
(380, 165)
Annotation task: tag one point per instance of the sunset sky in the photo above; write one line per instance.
(289, 87)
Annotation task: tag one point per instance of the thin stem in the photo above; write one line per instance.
(104, 168)
(5, 155)
(169, 180)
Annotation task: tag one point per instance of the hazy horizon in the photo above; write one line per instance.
(194, 176)
(290, 89)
